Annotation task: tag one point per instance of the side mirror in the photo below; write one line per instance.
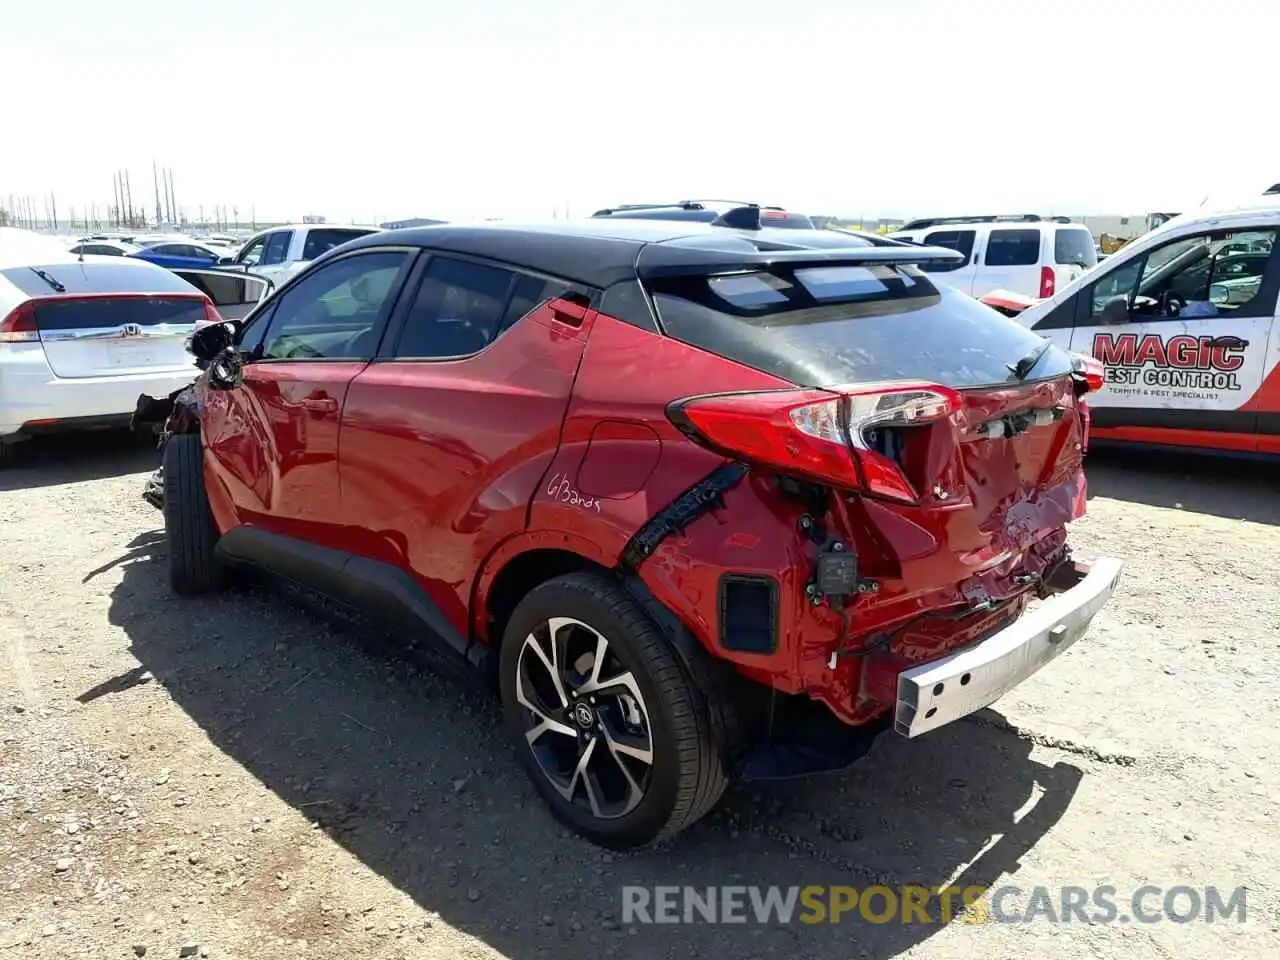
(211, 341)
(226, 261)
(1116, 311)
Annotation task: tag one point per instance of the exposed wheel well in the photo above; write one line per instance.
(522, 574)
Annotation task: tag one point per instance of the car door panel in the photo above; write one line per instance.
(441, 458)
(273, 441)
(274, 444)
(1182, 380)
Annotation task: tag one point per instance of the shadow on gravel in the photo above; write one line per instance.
(73, 458)
(404, 764)
(1219, 486)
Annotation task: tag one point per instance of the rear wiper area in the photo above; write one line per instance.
(49, 279)
(1028, 363)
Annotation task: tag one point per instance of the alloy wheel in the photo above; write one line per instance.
(586, 722)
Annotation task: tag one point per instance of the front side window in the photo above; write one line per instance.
(1013, 248)
(252, 252)
(958, 240)
(1117, 284)
(337, 312)
(277, 248)
(1206, 275)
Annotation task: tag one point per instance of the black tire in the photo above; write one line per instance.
(193, 565)
(7, 454)
(688, 771)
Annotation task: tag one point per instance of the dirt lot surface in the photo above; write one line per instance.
(250, 776)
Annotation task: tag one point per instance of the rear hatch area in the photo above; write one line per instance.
(952, 434)
(108, 318)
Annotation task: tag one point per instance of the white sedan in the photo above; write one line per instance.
(81, 337)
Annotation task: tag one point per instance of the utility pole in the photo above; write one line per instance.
(128, 194)
(155, 183)
(53, 207)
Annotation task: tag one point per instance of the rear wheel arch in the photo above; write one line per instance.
(514, 570)
(513, 573)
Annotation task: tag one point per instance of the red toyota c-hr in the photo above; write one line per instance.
(684, 489)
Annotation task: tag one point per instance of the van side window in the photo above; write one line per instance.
(1013, 248)
(1206, 275)
(959, 240)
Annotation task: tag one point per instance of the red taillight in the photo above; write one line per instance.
(20, 325)
(1047, 282)
(1089, 372)
(825, 435)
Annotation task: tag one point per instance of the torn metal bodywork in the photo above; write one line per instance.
(177, 413)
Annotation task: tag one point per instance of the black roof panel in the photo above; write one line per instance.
(599, 252)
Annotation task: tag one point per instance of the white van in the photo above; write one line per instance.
(1026, 254)
(1184, 321)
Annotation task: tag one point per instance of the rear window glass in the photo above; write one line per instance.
(106, 312)
(848, 324)
(320, 241)
(119, 275)
(1013, 248)
(1074, 246)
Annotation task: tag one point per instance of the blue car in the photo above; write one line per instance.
(180, 254)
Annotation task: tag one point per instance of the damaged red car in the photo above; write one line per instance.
(704, 501)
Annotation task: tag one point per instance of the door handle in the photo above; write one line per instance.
(321, 404)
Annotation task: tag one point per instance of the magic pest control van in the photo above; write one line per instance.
(1184, 321)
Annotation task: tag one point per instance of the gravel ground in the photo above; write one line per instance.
(253, 776)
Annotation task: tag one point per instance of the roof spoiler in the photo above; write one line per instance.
(660, 260)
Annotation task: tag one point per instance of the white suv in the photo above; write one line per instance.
(1027, 254)
(279, 253)
(81, 338)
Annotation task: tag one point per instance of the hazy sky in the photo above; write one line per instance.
(516, 108)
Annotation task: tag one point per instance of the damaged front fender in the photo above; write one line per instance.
(177, 413)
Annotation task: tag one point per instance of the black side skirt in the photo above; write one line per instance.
(369, 585)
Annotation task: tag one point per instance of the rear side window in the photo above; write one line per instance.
(461, 307)
(458, 310)
(321, 241)
(959, 240)
(1013, 248)
(103, 312)
(1073, 245)
(820, 327)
